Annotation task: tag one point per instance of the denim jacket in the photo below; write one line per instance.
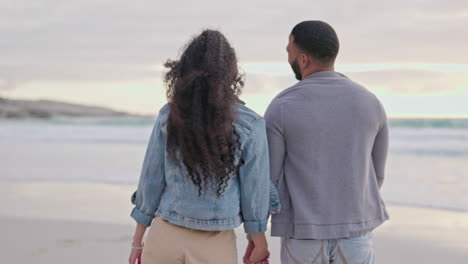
(166, 190)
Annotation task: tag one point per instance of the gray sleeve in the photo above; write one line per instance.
(380, 149)
(276, 140)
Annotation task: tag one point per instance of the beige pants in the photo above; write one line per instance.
(167, 244)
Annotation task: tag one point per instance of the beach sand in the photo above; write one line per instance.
(50, 222)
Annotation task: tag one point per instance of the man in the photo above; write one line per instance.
(328, 141)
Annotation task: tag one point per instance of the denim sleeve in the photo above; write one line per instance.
(254, 180)
(152, 182)
(275, 205)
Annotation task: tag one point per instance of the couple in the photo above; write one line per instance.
(212, 163)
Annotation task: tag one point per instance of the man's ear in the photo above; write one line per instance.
(305, 60)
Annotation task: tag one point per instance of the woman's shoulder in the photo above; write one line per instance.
(246, 117)
(163, 114)
(164, 109)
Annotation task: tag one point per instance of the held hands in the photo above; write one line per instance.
(256, 254)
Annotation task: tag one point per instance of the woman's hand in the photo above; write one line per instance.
(137, 245)
(135, 255)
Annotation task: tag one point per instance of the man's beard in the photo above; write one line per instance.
(296, 70)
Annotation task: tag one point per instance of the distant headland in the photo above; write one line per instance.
(12, 109)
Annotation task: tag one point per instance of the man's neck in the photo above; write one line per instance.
(308, 72)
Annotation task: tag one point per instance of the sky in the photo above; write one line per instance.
(411, 53)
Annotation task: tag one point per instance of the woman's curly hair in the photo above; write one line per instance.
(202, 90)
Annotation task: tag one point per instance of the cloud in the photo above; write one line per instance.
(411, 82)
(113, 40)
(6, 85)
(261, 83)
(411, 78)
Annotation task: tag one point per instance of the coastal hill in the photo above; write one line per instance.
(10, 108)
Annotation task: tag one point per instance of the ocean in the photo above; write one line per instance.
(427, 165)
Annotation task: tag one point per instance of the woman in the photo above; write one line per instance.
(206, 169)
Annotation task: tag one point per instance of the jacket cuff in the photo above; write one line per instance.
(141, 218)
(255, 226)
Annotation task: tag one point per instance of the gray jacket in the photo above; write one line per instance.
(328, 141)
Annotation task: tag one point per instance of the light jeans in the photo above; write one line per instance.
(353, 250)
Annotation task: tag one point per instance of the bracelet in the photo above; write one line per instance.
(139, 248)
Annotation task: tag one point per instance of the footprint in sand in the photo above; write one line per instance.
(40, 251)
(68, 243)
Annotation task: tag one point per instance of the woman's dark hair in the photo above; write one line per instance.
(318, 39)
(202, 90)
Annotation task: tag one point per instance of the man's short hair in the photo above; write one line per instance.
(318, 39)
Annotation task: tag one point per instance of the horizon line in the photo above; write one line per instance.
(148, 114)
